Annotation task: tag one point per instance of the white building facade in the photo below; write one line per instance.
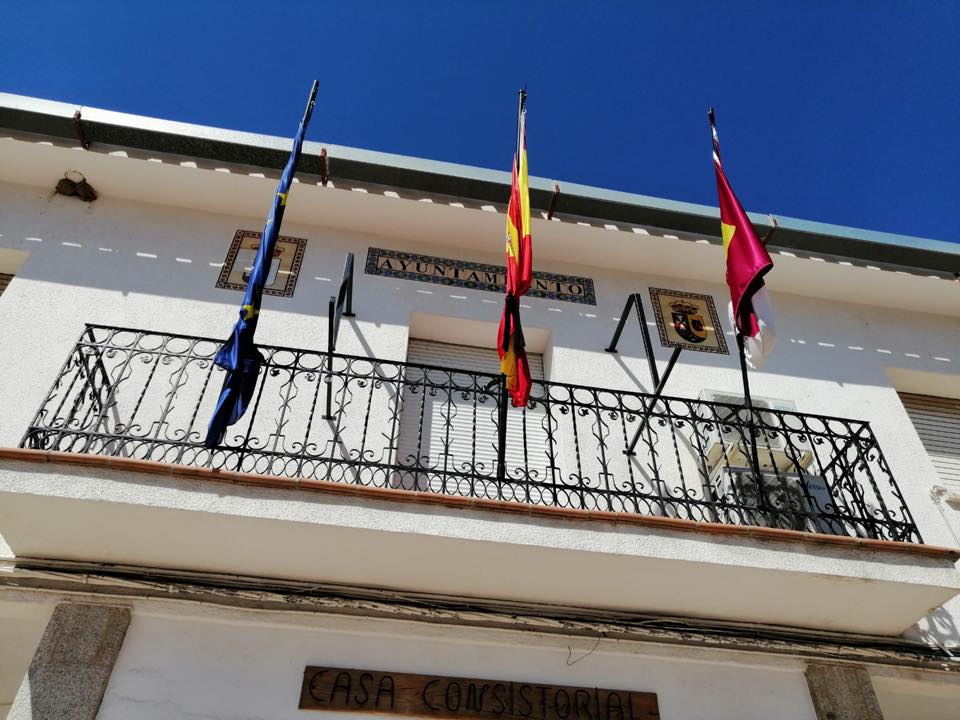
(143, 576)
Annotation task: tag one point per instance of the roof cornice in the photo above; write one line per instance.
(56, 119)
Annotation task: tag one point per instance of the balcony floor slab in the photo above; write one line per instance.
(98, 512)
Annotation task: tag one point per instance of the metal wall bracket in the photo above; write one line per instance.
(340, 305)
(78, 127)
(636, 301)
(324, 167)
(553, 202)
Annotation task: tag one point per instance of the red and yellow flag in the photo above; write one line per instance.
(519, 251)
(747, 262)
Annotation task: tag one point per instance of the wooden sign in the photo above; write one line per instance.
(475, 276)
(687, 320)
(370, 691)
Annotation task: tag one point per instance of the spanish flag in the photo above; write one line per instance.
(747, 262)
(519, 250)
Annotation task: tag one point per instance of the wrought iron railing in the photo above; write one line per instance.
(139, 394)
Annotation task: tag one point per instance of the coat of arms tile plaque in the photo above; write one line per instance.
(687, 320)
(283, 272)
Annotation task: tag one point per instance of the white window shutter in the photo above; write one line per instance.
(937, 421)
(459, 433)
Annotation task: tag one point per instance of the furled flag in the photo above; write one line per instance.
(747, 262)
(239, 356)
(510, 345)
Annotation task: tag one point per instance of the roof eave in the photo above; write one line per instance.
(56, 119)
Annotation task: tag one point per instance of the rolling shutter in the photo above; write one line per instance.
(465, 357)
(458, 432)
(5, 279)
(937, 420)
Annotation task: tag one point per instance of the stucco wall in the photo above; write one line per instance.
(127, 263)
(250, 665)
(124, 263)
(23, 619)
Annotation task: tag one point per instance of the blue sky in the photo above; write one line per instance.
(845, 112)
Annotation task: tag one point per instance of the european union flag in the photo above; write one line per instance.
(239, 356)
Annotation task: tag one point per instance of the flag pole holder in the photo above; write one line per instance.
(748, 404)
(503, 398)
(636, 301)
(340, 305)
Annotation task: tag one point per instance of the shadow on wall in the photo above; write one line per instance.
(939, 628)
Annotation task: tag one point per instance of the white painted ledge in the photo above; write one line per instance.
(55, 510)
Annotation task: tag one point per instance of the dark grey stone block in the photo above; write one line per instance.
(842, 692)
(71, 667)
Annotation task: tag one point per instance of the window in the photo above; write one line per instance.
(448, 431)
(937, 421)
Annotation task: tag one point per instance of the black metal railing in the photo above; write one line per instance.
(139, 394)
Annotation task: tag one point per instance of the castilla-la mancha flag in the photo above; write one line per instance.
(747, 262)
(510, 345)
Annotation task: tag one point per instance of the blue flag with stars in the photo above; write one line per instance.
(239, 356)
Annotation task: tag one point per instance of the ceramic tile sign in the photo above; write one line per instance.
(282, 276)
(372, 691)
(687, 320)
(475, 276)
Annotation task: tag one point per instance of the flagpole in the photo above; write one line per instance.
(522, 104)
(713, 134)
(747, 400)
(311, 102)
(748, 403)
(239, 355)
(502, 430)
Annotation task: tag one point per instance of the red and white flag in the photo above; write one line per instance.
(748, 261)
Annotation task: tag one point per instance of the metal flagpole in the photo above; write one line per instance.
(747, 400)
(239, 355)
(502, 434)
(748, 403)
(522, 104)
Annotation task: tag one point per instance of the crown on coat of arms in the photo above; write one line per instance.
(277, 251)
(684, 307)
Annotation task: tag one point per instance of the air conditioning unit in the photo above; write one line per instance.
(728, 445)
(790, 501)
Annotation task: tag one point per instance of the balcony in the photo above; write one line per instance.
(136, 394)
(409, 483)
